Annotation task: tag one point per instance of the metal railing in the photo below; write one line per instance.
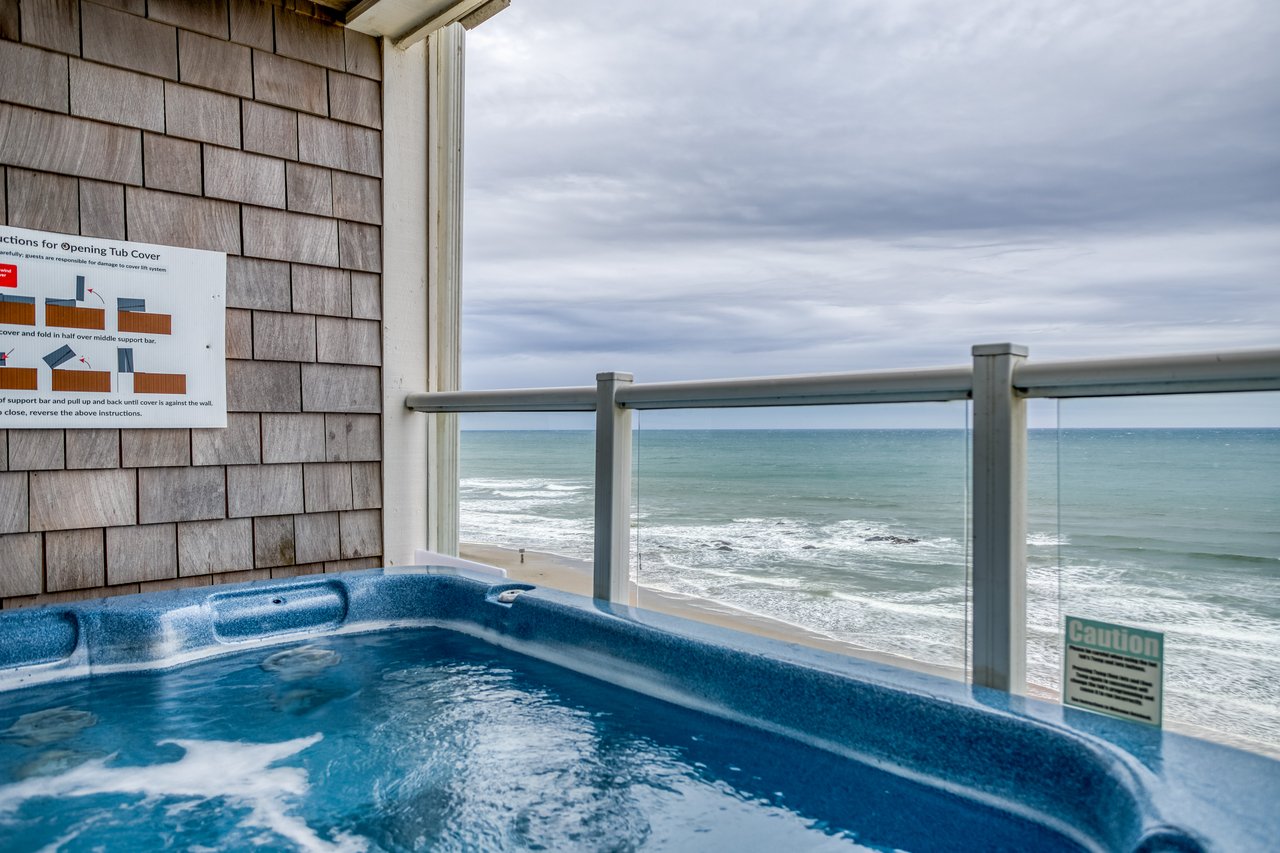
(998, 381)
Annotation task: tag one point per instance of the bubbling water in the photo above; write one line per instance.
(440, 742)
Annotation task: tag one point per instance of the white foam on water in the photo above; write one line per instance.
(238, 772)
(475, 488)
(842, 543)
(568, 487)
(901, 595)
(511, 524)
(896, 605)
(491, 484)
(58, 843)
(924, 623)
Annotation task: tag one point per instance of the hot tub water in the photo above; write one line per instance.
(427, 739)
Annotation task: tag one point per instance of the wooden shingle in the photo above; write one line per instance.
(181, 494)
(264, 490)
(74, 559)
(55, 143)
(238, 443)
(263, 386)
(126, 41)
(178, 220)
(61, 500)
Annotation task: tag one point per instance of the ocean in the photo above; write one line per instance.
(861, 535)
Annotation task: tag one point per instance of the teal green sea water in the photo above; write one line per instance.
(862, 535)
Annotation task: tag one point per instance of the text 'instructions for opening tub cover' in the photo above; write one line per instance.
(1113, 669)
(98, 334)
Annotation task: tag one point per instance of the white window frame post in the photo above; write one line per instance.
(405, 354)
(999, 520)
(421, 286)
(446, 49)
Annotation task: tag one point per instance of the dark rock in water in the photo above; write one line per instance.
(301, 663)
(298, 701)
(50, 726)
(892, 540)
(808, 547)
(307, 677)
(53, 762)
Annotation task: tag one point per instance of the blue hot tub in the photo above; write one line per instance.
(433, 709)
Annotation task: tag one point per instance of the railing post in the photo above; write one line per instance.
(999, 520)
(613, 491)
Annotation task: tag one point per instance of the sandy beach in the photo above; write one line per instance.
(569, 575)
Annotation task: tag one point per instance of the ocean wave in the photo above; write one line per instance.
(477, 485)
(943, 608)
(933, 633)
(770, 540)
(1226, 557)
(505, 526)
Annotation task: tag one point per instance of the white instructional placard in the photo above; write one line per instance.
(101, 333)
(1113, 669)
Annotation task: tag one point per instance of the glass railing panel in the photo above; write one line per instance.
(1044, 542)
(850, 536)
(526, 484)
(1178, 530)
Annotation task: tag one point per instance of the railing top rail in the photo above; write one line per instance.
(570, 399)
(1191, 373)
(1241, 370)
(813, 389)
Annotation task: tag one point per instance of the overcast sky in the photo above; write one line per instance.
(697, 190)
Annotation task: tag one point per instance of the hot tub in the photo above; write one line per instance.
(436, 709)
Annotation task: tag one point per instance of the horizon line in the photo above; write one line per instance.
(867, 429)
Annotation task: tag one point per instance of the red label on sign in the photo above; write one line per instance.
(8, 275)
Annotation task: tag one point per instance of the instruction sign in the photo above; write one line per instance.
(1114, 670)
(101, 333)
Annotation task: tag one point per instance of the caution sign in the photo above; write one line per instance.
(1113, 670)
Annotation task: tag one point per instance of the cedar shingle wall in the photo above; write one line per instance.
(240, 126)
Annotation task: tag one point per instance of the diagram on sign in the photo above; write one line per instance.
(12, 376)
(71, 314)
(78, 312)
(17, 310)
(80, 376)
(148, 383)
(98, 333)
(132, 316)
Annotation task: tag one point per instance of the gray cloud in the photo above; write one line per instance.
(720, 191)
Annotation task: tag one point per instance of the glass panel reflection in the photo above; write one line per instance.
(846, 536)
(1178, 530)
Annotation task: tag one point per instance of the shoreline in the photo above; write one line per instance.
(568, 574)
